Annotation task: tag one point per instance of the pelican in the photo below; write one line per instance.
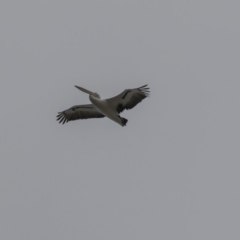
(110, 107)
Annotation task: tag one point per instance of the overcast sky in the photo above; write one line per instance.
(172, 173)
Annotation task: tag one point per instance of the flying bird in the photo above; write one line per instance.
(100, 108)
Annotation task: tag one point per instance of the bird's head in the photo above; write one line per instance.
(96, 95)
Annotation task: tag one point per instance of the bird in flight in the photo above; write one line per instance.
(110, 107)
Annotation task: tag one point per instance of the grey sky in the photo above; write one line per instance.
(172, 173)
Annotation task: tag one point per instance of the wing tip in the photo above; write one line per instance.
(145, 90)
(143, 86)
(61, 118)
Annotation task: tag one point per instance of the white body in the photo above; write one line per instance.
(105, 108)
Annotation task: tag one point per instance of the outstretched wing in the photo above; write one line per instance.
(129, 98)
(79, 112)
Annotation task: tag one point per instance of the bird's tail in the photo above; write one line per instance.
(124, 121)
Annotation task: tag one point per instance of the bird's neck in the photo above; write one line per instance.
(94, 96)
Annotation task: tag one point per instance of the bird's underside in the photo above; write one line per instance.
(110, 108)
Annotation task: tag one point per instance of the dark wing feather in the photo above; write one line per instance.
(79, 112)
(129, 98)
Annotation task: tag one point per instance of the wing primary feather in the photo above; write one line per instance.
(64, 120)
(143, 86)
(61, 120)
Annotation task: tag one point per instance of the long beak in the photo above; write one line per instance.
(84, 90)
